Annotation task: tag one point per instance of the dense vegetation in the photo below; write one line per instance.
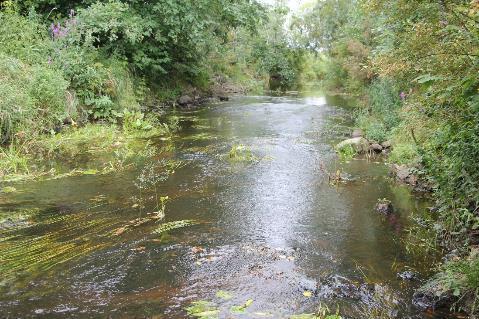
(414, 66)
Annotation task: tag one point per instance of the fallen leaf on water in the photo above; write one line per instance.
(119, 231)
(196, 250)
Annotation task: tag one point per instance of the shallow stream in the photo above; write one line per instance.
(255, 227)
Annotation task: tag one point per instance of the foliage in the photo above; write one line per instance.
(460, 278)
(12, 161)
(346, 153)
(275, 56)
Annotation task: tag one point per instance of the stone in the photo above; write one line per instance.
(223, 98)
(407, 275)
(359, 144)
(185, 100)
(357, 133)
(431, 298)
(376, 148)
(402, 172)
(386, 144)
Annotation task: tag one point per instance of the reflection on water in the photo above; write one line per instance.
(271, 230)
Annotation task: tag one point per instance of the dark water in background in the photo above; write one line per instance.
(268, 230)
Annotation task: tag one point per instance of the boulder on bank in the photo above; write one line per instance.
(359, 144)
(357, 133)
(375, 147)
(185, 100)
(430, 298)
(386, 144)
(405, 174)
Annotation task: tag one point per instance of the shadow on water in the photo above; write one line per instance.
(264, 235)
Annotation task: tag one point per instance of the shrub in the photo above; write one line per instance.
(384, 102)
(373, 129)
(24, 38)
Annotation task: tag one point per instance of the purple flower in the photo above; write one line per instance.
(403, 96)
(55, 29)
(58, 31)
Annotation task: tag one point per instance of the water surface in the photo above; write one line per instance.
(267, 229)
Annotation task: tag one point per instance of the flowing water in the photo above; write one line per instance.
(255, 228)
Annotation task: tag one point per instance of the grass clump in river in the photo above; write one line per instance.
(241, 153)
(205, 309)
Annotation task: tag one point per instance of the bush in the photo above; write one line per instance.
(384, 102)
(26, 39)
(373, 129)
(460, 278)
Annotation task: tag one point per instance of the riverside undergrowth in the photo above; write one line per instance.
(414, 67)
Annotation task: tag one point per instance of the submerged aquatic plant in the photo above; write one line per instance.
(242, 308)
(174, 225)
(37, 250)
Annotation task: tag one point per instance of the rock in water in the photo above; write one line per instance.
(385, 207)
(407, 275)
(185, 100)
(359, 144)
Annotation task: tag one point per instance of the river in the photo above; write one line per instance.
(255, 228)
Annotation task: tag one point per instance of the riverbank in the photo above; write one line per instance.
(454, 284)
(421, 95)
